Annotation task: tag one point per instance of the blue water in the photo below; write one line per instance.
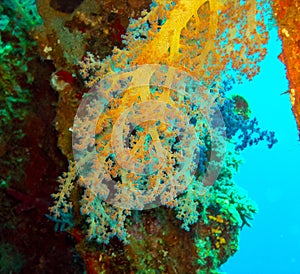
(272, 244)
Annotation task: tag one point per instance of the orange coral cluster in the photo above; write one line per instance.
(287, 14)
(204, 38)
(210, 40)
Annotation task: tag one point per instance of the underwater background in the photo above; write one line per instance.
(272, 244)
(234, 210)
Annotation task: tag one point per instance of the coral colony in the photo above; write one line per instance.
(144, 118)
(157, 129)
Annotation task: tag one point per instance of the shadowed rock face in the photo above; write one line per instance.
(65, 6)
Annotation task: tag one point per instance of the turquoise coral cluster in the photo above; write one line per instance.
(17, 18)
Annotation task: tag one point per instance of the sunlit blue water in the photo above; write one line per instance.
(271, 177)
